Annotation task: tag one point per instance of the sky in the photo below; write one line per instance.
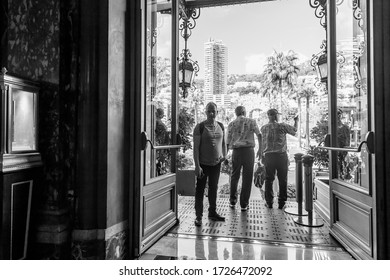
(253, 31)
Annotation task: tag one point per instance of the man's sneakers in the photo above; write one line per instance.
(233, 206)
(269, 205)
(245, 208)
(198, 222)
(216, 217)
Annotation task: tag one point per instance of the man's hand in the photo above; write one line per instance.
(199, 172)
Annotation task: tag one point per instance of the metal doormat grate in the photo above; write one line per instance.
(258, 223)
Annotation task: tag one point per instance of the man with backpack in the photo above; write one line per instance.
(209, 152)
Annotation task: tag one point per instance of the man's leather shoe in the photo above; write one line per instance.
(198, 222)
(216, 217)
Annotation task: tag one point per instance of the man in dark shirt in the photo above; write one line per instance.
(274, 151)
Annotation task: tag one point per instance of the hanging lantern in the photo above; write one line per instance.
(188, 68)
(186, 72)
(322, 68)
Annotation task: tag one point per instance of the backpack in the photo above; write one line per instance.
(259, 175)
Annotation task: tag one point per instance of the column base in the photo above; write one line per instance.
(51, 235)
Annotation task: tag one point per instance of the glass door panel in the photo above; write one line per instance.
(158, 111)
(352, 96)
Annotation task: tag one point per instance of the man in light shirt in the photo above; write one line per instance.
(241, 139)
(274, 155)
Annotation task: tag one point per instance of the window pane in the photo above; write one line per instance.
(23, 121)
(352, 93)
(158, 85)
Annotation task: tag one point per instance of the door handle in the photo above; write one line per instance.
(145, 140)
(369, 141)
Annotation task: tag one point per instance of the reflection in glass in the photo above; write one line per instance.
(352, 98)
(199, 249)
(23, 121)
(158, 86)
(161, 138)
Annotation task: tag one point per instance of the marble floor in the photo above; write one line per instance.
(258, 234)
(187, 247)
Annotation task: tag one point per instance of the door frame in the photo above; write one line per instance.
(381, 86)
(133, 87)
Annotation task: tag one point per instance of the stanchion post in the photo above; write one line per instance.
(298, 188)
(308, 163)
(310, 220)
(298, 181)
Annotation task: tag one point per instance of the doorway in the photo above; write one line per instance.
(351, 190)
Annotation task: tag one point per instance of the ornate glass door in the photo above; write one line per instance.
(352, 188)
(158, 102)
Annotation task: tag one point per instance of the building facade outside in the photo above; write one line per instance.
(216, 69)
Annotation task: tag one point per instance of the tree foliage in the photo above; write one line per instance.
(235, 78)
(318, 133)
(280, 72)
(186, 125)
(245, 90)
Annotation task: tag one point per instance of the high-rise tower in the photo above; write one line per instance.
(216, 66)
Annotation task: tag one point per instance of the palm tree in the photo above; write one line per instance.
(269, 91)
(307, 92)
(281, 71)
(295, 95)
(195, 100)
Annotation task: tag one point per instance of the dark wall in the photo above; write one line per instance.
(37, 33)
(75, 50)
(3, 32)
(33, 39)
(381, 86)
(68, 88)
